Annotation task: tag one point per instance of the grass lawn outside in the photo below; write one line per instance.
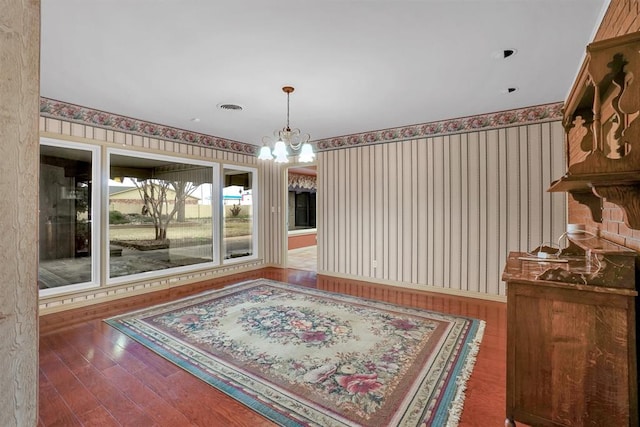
(234, 227)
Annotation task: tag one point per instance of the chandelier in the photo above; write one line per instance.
(287, 137)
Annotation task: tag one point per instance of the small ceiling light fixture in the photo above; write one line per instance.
(503, 54)
(287, 137)
(508, 90)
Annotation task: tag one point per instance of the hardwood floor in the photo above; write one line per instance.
(305, 258)
(92, 375)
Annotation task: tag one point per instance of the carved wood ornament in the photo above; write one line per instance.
(602, 126)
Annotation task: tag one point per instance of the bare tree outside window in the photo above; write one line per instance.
(161, 205)
(161, 214)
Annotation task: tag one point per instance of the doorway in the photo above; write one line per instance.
(302, 249)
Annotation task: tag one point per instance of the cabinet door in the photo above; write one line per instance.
(568, 356)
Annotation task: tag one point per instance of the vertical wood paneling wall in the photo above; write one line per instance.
(440, 213)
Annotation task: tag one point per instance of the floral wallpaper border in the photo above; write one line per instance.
(536, 114)
(75, 113)
(302, 182)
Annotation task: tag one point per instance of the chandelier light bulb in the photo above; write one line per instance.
(265, 153)
(306, 153)
(280, 149)
(281, 157)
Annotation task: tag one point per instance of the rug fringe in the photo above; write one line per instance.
(455, 411)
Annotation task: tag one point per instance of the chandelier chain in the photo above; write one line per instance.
(288, 128)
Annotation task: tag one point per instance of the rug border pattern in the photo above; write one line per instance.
(282, 410)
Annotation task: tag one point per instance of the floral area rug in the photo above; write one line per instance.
(301, 356)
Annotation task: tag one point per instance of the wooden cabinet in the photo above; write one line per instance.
(571, 338)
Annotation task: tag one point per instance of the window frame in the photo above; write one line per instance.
(99, 224)
(255, 191)
(215, 218)
(96, 217)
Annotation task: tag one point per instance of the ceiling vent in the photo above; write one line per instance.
(230, 107)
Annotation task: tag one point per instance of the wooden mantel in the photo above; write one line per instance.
(601, 121)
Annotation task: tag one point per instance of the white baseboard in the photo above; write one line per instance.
(419, 287)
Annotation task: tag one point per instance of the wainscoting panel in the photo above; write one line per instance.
(440, 212)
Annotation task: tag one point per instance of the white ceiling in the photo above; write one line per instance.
(357, 65)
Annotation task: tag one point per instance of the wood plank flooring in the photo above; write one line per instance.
(92, 375)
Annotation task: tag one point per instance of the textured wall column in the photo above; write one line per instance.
(19, 111)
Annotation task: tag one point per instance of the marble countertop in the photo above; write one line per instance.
(592, 264)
